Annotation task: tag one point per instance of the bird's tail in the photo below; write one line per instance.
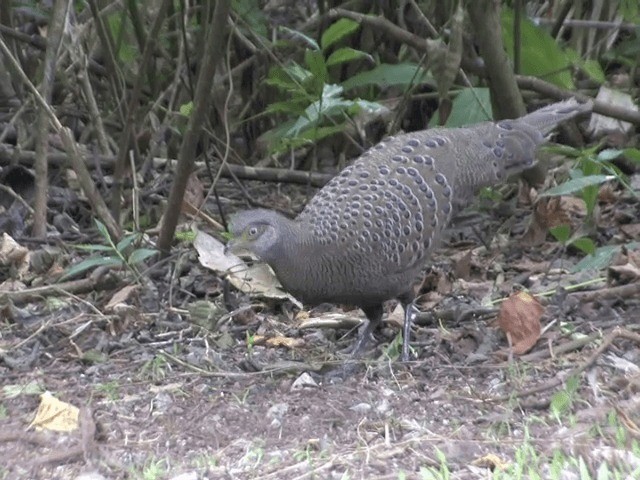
(546, 119)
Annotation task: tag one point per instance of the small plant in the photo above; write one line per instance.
(154, 470)
(441, 473)
(314, 99)
(563, 400)
(250, 341)
(109, 390)
(592, 169)
(155, 369)
(122, 254)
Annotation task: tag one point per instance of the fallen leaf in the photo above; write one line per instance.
(54, 414)
(548, 213)
(257, 279)
(519, 318)
(490, 461)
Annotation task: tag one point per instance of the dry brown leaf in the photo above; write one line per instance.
(632, 231)
(626, 266)
(121, 297)
(548, 213)
(14, 254)
(278, 341)
(490, 461)
(519, 318)
(462, 267)
(54, 414)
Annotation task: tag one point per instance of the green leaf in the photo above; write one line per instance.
(103, 230)
(561, 233)
(126, 242)
(470, 106)
(252, 15)
(594, 70)
(560, 402)
(94, 248)
(632, 154)
(188, 236)
(584, 244)
(186, 109)
(602, 257)
(576, 185)
(337, 31)
(289, 78)
(387, 75)
(347, 54)
(300, 36)
(89, 263)
(609, 154)
(314, 60)
(540, 54)
(141, 255)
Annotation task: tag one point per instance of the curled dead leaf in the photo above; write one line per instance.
(519, 318)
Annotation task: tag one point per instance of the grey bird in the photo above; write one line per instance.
(365, 237)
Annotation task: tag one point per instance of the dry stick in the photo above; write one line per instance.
(264, 174)
(109, 57)
(54, 38)
(213, 52)
(84, 177)
(549, 90)
(606, 343)
(622, 291)
(80, 58)
(9, 191)
(132, 108)
(74, 286)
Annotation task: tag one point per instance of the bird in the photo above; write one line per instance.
(366, 236)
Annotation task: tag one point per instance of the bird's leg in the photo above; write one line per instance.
(374, 315)
(409, 311)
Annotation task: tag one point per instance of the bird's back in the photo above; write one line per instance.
(374, 224)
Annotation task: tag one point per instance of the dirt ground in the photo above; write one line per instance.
(261, 396)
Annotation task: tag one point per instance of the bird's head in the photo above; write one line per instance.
(259, 231)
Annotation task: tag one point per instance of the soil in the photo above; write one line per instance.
(260, 396)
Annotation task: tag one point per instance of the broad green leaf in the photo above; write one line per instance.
(594, 70)
(291, 108)
(314, 61)
(609, 154)
(470, 106)
(346, 54)
(141, 255)
(370, 107)
(576, 184)
(300, 36)
(602, 257)
(386, 75)
(561, 233)
(15, 390)
(89, 263)
(102, 229)
(337, 31)
(290, 78)
(540, 54)
(126, 241)
(186, 109)
(585, 244)
(252, 15)
(632, 154)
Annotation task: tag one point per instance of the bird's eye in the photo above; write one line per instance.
(253, 231)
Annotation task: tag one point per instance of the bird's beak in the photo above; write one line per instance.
(228, 248)
(233, 246)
